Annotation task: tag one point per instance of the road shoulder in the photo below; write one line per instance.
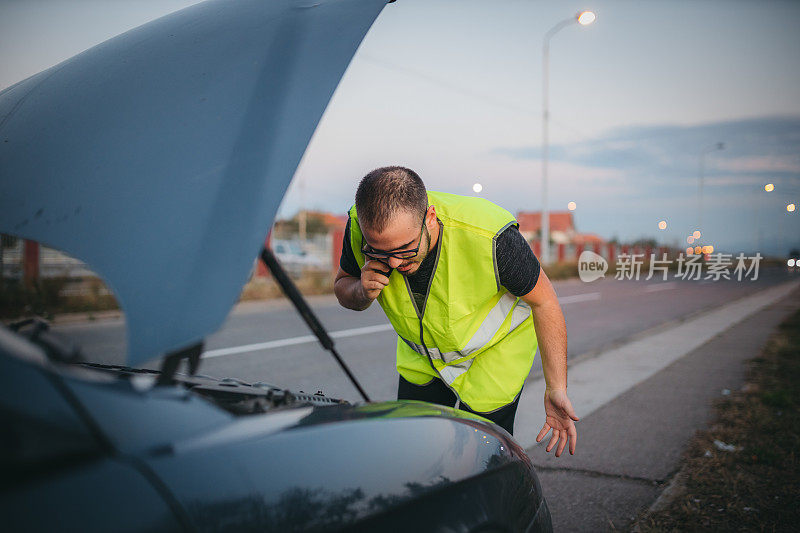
(630, 447)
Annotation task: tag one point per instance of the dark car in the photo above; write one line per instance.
(159, 158)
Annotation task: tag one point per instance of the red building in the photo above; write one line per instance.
(569, 243)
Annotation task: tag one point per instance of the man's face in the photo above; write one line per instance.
(403, 232)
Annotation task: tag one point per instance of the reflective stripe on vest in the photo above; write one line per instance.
(485, 333)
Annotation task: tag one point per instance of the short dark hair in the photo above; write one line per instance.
(387, 190)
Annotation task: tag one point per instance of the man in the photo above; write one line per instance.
(465, 295)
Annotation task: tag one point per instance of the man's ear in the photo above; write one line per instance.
(430, 217)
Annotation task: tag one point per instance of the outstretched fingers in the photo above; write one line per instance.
(553, 439)
(561, 443)
(573, 439)
(543, 432)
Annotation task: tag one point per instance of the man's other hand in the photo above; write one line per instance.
(561, 418)
(374, 277)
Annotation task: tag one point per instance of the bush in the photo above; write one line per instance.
(47, 297)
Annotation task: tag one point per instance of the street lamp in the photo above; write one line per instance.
(584, 18)
(701, 169)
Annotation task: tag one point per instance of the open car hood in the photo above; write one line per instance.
(160, 157)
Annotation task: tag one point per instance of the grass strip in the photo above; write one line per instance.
(742, 473)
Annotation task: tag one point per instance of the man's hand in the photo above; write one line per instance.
(374, 277)
(561, 418)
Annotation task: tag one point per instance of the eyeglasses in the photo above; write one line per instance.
(381, 255)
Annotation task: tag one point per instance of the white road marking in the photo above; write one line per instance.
(585, 297)
(281, 343)
(294, 341)
(661, 287)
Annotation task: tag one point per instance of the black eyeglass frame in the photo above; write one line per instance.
(381, 255)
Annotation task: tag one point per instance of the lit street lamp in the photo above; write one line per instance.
(584, 18)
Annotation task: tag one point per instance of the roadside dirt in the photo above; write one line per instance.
(743, 473)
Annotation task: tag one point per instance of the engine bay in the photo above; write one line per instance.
(234, 395)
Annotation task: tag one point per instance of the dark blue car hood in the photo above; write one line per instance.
(160, 157)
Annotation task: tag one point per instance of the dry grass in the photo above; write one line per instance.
(310, 282)
(756, 487)
(51, 296)
(562, 270)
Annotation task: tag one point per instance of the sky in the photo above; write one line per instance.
(453, 89)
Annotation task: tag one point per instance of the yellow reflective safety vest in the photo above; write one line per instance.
(470, 331)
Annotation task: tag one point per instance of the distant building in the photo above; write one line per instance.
(310, 240)
(562, 226)
(330, 220)
(562, 229)
(588, 240)
(317, 222)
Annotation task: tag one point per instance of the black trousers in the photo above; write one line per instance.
(437, 392)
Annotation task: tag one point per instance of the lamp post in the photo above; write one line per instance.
(584, 18)
(701, 170)
(769, 187)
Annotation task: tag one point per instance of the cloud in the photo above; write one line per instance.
(767, 147)
(627, 179)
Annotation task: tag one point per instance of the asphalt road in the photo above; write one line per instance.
(598, 314)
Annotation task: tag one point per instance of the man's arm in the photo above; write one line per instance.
(551, 332)
(350, 285)
(349, 291)
(359, 293)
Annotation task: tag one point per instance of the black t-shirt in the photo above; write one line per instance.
(517, 266)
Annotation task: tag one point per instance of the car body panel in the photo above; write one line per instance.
(294, 468)
(160, 157)
(336, 475)
(101, 495)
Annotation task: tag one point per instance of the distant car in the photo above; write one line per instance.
(295, 259)
(160, 158)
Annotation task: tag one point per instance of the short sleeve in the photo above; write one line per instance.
(517, 265)
(348, 260)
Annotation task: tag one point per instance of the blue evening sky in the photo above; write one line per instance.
(453, 89)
